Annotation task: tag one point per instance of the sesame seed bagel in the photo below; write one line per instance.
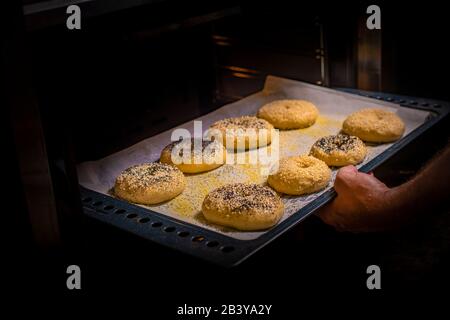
(204, 155)
(243, 206)
(374, 125)
(243, 133)
(300, 175)
(339, 150)
(289, 114)
(149, 183)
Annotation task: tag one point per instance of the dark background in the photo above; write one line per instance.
(132, 72)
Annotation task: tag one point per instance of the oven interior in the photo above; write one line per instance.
(133, 72)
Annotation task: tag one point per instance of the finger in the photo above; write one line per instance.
(325, 213)
(329, 216)
(335, 221)
(339, 227)
(369, 179)
(349, 169)
(344, 178)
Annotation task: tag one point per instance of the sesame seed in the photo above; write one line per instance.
(144, 175)
(238, 197)
(245, 122)
(340, 142)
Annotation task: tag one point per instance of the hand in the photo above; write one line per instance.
(363, 203)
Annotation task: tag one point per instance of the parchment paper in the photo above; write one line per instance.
(334, 106)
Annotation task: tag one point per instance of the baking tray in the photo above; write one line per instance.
(227, 247)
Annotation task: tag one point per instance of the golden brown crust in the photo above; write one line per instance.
(300, 175)
(149, 183)
(339, 150)
(243, 132)
(374, 125)
(289, 114)
(243, 206)
(211, 155)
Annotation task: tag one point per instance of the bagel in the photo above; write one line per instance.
(339, 150)
(289, 114)
(243, 206)
(149, 183)
(374, 125)
(300, 175)
(207, 156)
(243, 133)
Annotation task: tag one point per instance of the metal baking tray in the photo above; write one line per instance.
(228, 249)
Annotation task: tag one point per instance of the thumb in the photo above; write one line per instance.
(344, 178)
